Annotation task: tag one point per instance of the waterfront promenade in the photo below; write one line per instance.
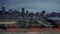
(30, 31)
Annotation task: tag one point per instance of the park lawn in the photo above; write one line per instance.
(7, 22)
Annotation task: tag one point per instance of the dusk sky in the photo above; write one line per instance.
(32, 5)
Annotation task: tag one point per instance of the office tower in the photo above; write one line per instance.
(23, 10)
(37, 14)
(3, 9)
(27, 12)
(31, 14)
(43, 12)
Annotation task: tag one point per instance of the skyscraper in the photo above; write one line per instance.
(23, 10)
(43, 12)
(3, 9)
(36, 14)
(27, 13)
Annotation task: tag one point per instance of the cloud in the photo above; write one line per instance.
(32, 5)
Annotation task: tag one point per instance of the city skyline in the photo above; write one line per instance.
(32, 5)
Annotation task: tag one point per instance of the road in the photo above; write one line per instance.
(42, 21)
(29, 33)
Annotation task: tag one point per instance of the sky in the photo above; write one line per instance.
(32, 5)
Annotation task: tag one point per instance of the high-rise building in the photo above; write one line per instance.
(31, 14)
(27, 12)
(36, 14)
(23, 10)
(43, 12)
(3, 9)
